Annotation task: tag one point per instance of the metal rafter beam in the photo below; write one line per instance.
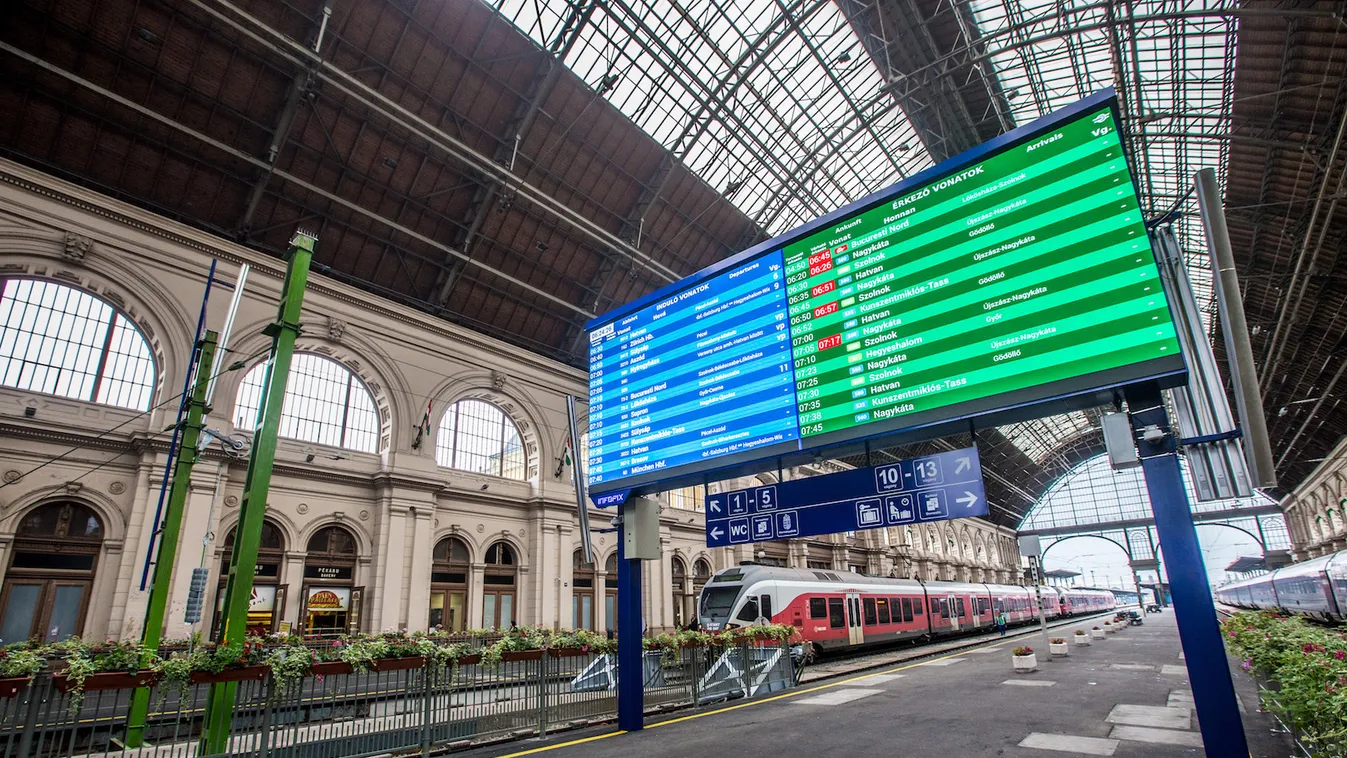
(526, 113)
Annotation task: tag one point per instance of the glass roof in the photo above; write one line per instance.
(778, 105)
(1093, 493)
(1176, 84)
(774, 103)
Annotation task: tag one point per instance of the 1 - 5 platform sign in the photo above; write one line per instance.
(915, 490)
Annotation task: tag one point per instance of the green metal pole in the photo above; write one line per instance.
(172, 530)
(252, 507)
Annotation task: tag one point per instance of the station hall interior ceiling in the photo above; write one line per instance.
(517, 166)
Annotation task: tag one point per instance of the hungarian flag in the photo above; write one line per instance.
(566, 459)
(423, 429)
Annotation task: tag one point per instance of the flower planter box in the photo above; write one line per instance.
(108, 680)
(522, 655)
(12, 687)
(329, 668)
(1059, 651)
(469, 660)
(398, 664)
(1024, 663)
(567, 652)
(1111, 629)
(1082, 640)
(240, 674)
(1097, 634)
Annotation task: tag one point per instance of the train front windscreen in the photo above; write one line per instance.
(716, 605)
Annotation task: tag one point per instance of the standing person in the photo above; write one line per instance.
(1001, 623)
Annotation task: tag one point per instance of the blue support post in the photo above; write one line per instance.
(1194, 608)
(630, 673)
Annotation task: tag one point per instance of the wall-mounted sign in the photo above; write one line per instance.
(329, 598)
(263, 599)
(327, 572)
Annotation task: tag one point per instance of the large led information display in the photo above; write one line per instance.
(1009, 276)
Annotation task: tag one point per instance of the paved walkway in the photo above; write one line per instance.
(1125, 696)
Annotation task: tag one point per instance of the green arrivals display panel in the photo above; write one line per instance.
(1030, 267)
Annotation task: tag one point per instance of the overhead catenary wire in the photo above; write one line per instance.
(235, 366)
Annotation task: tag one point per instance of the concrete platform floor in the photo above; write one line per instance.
(1126, 696)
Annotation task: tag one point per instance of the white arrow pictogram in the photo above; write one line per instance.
(963, 465)
(968, 499)
(715, 533)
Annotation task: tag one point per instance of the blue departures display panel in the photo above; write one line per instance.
(704, 373)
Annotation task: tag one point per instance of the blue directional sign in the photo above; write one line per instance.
(931, 488)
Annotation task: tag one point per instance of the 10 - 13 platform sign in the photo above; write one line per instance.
(914, 490)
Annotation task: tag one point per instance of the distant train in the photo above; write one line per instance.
(1316, 588)
(836, 610)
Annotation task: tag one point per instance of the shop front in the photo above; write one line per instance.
(331, 600)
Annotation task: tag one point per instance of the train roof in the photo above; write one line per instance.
(749, 573)
(1305, 568)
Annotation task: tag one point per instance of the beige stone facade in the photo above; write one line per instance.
(397, 502)
(1314, 511)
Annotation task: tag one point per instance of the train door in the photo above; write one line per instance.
(953, 613)
(855, 629)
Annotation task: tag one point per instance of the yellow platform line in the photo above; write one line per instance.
(750, 704)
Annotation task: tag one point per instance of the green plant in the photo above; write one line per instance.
(79, 667)
(21, 660)
(359, 651)
(1023, 650)
(1307, 667)
(289, 664)
(174, 671)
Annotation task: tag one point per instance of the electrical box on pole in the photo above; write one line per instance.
(196, 595)
(640, 529)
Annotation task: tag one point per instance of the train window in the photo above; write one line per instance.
(749, 612)
(905, 607)
(916, 608)
(765, 603)
(837, 618)
(883, 608)
(870, 617)
(962, 610)
(984, 605)
(818, 608)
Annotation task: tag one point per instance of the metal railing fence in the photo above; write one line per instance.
(398, 706)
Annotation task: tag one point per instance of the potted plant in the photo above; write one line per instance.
(1082, 639)
(1058, 648)
(18, 663)
(1024, 660)
(1110, 628)
(227, 663)
(1096, 632)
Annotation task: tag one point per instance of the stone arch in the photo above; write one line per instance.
(519, 547)
(475, 548)
(107, 510)
(364, 544)
(491, 387)
(367, 363)
(152, 309)
(281, 519)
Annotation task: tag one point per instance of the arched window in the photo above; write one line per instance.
(324, 403)
(498, 586)
(477, 436)
(268, 593)
(331, 542)
(682, 596)
(582, 594)
(449, 569)
(331, 602)
(51, 572)
(59, 340)
(610, 592)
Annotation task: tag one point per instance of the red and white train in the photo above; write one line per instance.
(835, 610)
